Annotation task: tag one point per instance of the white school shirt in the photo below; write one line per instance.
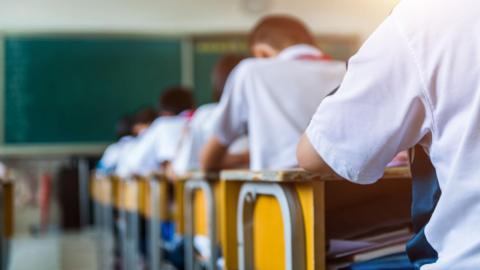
(157, 144)
(194, 137)
(108, 163)
(416, 79)
(196, 134)
(273, 100)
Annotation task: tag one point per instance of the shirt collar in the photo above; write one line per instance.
(299, 50)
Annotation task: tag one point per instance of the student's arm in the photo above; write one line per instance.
(230, 123)
(215, 156)
(213, 153)
(235, 161)
(379, 110)
(309, 159)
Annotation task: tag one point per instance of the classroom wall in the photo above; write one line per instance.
(358, 17)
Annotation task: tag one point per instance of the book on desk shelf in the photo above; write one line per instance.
(342, 253)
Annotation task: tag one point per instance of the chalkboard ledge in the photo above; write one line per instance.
(51, 150)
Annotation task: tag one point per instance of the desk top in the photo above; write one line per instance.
(200, 175)
(295, 175)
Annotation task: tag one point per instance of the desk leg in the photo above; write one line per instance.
(154, 237)
(108, 229)
(97, 210)
(133, 229)
(207, 189)
(294, 233)
(123, 231)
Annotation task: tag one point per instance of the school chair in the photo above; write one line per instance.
(6, 221)
(283, 219)
(199, 193)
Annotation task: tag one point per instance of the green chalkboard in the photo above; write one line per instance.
(207, 51)
(73, 89)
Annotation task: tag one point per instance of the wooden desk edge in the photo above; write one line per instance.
(200, 175)
(296, 175)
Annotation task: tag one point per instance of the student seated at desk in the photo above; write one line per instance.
(273, 95)
(128, 128)
(200, 127)
(415, 81)
(158, 144)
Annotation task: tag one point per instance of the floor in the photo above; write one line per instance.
(71, 251)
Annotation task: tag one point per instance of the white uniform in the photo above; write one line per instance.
(273, 100)
(108, 163)
(199, 129)
(154, 146)
(416, 79)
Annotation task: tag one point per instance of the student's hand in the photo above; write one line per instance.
(170, 172)
(309, 159)
(212, 155)
(236, 161)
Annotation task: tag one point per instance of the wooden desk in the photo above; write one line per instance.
(258, 208)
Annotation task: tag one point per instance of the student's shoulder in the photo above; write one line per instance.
(205, 110)
(250, 66)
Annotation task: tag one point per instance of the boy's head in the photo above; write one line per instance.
(175, 100)
(220, 73)
(143, 119)
(124, 127)
(276, 32)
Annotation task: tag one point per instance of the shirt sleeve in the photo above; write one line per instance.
(232, 113)
(378, 111)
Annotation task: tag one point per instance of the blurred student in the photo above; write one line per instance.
(109, 160)
(158, 144)
(201, 126)
(273, 96)
(415, 81)
(128, 128)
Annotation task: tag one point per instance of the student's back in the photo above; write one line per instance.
(159, 142)
(416, 80)
(154, 146)
(274, 99)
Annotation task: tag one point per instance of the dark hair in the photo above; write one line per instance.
(176, 99)
(221, 71)
(145, 116)
(280, 32)
(124, 127)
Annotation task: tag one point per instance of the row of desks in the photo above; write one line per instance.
(269, 219)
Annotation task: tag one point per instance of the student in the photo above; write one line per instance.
(128, 128)
(274, 95)
(109, 160)
(200, 127)
(158, 144)
(415, 80)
